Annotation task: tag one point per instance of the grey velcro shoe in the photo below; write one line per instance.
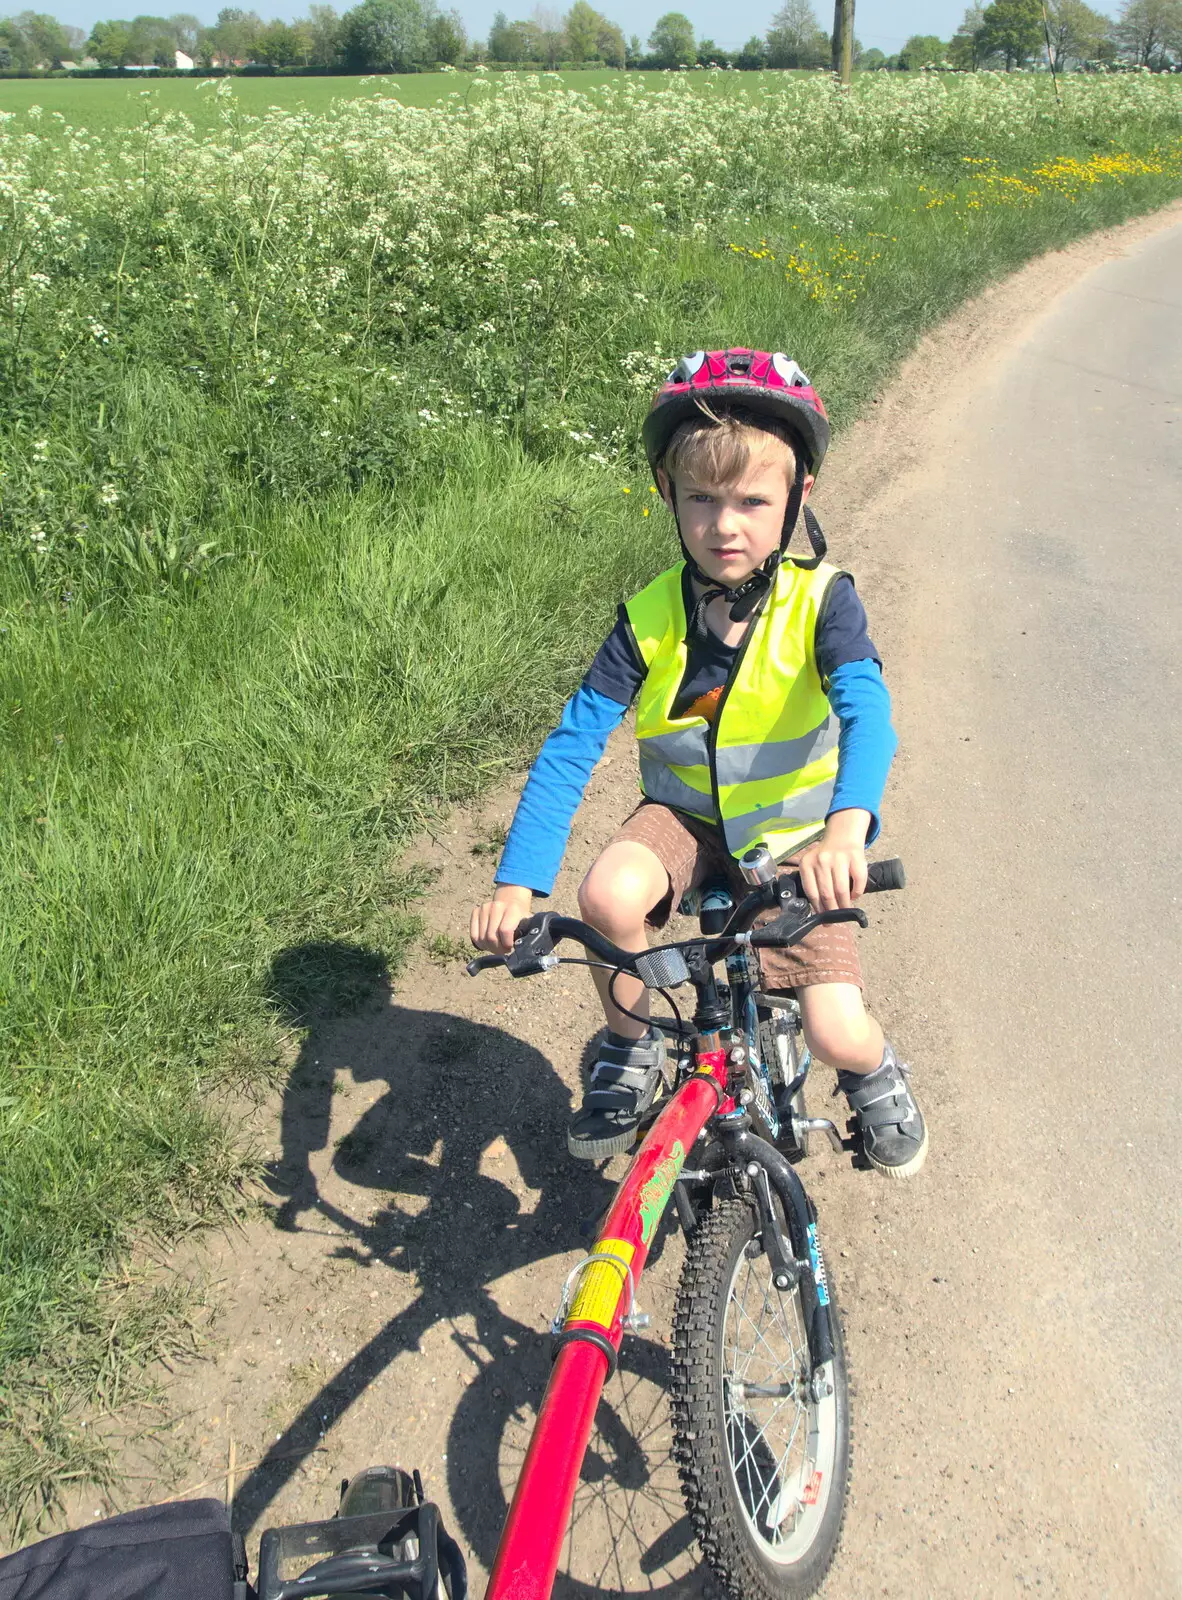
(894, 1135)
(624, 1084)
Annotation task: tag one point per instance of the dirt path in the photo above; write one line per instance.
(1008, 1419)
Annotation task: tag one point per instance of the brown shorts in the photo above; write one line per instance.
(693, 852)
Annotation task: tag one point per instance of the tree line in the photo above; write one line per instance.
(405, 35)
(1071, 34)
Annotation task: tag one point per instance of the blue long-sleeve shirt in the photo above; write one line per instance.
(558, 778)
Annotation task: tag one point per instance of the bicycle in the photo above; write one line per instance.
(761, 1432)
(759, 1388)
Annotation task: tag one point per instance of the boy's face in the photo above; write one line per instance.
(730, 529)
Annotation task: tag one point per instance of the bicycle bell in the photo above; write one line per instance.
(757, 865)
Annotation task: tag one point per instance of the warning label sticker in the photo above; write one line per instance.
(602, 1284)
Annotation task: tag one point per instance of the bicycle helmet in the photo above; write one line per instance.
(770, 384)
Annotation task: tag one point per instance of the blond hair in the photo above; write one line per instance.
(719, 446)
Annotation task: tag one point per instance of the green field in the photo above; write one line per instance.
(319, 480)
(101, 103)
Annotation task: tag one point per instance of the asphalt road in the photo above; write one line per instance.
(1019, 1311)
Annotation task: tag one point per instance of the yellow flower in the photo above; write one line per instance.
(627, 490)
(645, 512)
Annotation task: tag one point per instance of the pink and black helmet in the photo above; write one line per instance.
(762, 381)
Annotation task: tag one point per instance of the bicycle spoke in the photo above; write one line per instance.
(777, 1473)
(764, 1345)
(755, 1441)
(757, 1331)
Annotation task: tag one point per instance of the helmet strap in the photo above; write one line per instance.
(817, 539)
(812, 527)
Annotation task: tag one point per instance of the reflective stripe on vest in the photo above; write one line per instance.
(767, 767)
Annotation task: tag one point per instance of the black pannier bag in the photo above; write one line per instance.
(182, 1551)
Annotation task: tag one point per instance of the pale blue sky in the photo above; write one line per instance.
(885, 23)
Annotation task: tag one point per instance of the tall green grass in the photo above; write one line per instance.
(202, 776)
(253, 633)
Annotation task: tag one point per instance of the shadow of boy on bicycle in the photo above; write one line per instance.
(457, 1148)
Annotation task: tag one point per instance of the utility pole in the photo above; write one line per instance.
(843, 40)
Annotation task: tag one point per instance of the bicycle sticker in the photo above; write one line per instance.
(654, 1196)
(812, 1489)
(818, 1267)
(602, 1285)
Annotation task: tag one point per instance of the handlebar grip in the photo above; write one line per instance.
(883, 875)
(480, 962)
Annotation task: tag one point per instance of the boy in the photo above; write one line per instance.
(761, 717)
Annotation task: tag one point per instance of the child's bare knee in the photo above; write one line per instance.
(607, 898)
(621, 888)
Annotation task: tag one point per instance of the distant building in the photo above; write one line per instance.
(184, 63)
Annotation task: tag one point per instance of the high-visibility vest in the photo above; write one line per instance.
(765, 768)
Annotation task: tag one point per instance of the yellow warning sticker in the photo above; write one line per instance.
(602, 1284)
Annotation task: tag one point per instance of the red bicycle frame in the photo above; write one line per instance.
(591, 1331)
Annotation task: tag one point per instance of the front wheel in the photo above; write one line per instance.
(762, 1443)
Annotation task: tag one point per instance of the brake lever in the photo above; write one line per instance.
(479, 963)
(533, 949)
(767, 937)
(844, 914)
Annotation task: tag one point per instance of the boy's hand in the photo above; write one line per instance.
(495, 922)
(833, 868)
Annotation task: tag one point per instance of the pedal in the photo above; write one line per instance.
(807, 1125)
(852, 1142)
(650, 1116)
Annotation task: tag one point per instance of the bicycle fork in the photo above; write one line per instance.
(766, 1170)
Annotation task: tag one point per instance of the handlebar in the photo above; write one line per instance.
(533, 949)
(885, 875)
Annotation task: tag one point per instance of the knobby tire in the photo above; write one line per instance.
(728, 1541)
